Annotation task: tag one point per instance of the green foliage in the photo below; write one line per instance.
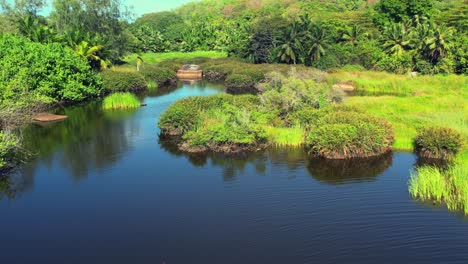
(438, 142)
(158, 73)
(227, 124)
(401, 10)
(296, 91)
(120, 101)
(340, 135)
(9, 145)
(49, 72)
(98, 22)
(159, 21)
(183, 115)
(123, 81)
(216, 121)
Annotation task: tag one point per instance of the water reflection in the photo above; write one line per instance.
(348, 171)
(327, 171)
(88, 139)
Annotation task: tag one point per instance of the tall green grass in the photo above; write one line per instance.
(408, 114)
(285, 136)
(154, 58)
(382, 83)
(443, 185)
(121, 101)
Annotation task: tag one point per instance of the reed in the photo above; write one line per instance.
(121, 101)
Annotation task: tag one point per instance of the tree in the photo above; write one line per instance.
(396, 39)
(290, 47)
(91, 53)
(439, 42)
(102, 20)
(317, 42)
(352, 35)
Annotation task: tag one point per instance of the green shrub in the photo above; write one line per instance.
(226, 125)
(296, 91)
(184, 114)
(340, 135)
(121, 81)
(179, 118)
(438, 142)
(9, 145)
(161, 75)
(121, 101)
(49, 72)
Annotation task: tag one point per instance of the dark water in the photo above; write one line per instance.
(103, 189)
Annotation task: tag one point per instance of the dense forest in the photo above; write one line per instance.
(428, 36)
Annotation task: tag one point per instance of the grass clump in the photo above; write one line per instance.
(449, 186)
(340, 135)
(121, 101)
(436, 142)
(123, 81)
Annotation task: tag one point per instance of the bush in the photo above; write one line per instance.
(49, 72)
(162, 75)
(179, 118)
(184, 114)
(118, 81)
(121, 101)
(224, 126)
(340, 135)
(9, 145)
(297, 91)
(440, 143)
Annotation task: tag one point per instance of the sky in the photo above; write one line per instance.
(140, 7)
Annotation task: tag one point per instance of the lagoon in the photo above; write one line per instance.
(104, 189)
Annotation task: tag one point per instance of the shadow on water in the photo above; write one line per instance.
(349, 171)
(326, 171)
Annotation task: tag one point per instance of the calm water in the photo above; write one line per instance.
(103, 189)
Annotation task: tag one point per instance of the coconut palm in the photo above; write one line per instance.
(396, 39)
(352, 35)
(290, 46)
(317, 42)
(439, 42)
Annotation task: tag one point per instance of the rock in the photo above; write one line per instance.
(347, 87)
(190, 72)
(46, 117)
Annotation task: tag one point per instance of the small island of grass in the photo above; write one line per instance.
(120, 101)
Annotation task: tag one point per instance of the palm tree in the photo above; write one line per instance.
(352, 35)
(91, 53)
(396, 39)
(290, 47)
(318, 42)
(439, 42)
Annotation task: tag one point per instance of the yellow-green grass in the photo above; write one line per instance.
(449, 186)
(154, 58)
(408, 114)
(121, 101)
(378, 83)
(285, 137)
